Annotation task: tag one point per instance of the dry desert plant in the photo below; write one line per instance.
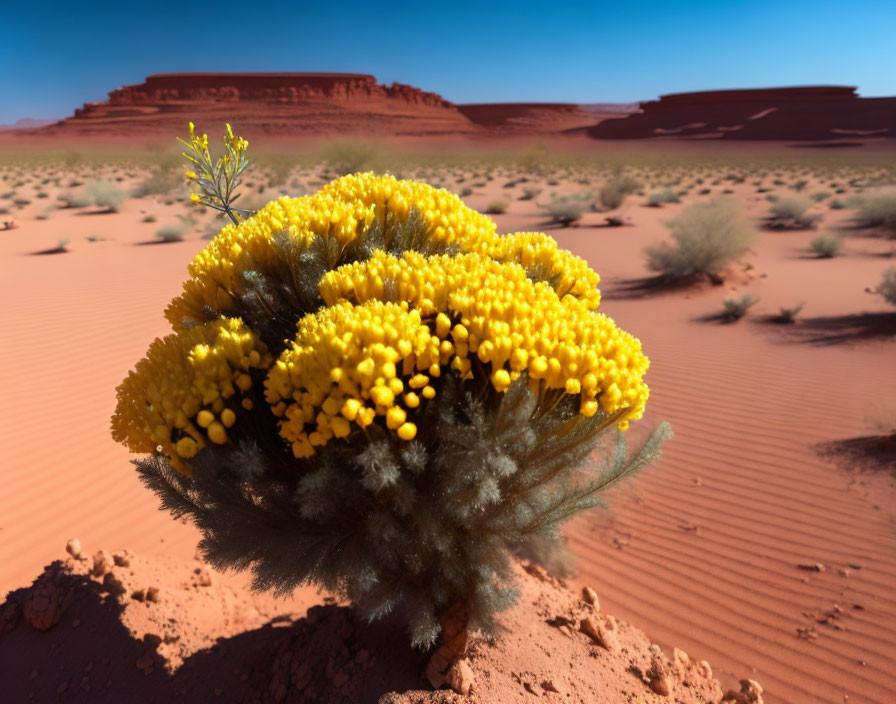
(667, 195)
(878, 209)
(787, 316)
(370, 390)
(887, 286)
(826, 245)
(105, 195)
(791, 214)
(566, 210)
(736, 308)
(709, 236)
(496, 207)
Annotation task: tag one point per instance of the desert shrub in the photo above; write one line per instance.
(887, 286)
(427, 457)
(149, 218)
(709, 236)
(878, 209)
(466, 191)
(566, 210)
(105, 195)
(736, 308)
(170, 233)
(787, 316)
(613, 193)
(348, 156)
(159, 182)
(530, 192)
(791, 214)
(667, 195)
(820, 196)
(799, 185)
(826, 245)
(836, 204)
(496, 207)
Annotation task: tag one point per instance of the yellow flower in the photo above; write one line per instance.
(191, 175)
(195, 198)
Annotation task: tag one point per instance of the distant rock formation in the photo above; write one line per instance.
(268, 103)
(528, 117)
(801, 113)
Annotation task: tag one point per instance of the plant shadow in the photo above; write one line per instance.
(649, 286)
(871, 452)
(330, 655)
(839, 329)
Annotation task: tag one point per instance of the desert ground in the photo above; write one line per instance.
(764, 541)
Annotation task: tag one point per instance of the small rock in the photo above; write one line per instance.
(138, 595)
(10, 614)
(548, 686)
(113, 585)
(658, 674)
(102, 563)
(812, 566)
(48, 599)
(73, 548)
(590, 597)
(204, 577)
(122, 559)
(460, 677)
(750, 693)
(152, 594)
(704, 669)
(595, 630)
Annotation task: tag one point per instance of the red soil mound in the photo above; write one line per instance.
(803, 113)
(119, 628)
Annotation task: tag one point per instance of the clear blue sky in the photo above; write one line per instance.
(55, 56)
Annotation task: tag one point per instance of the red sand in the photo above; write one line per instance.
(701, 552)
(149, 631)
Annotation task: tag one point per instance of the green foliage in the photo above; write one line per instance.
(566, 210)
(667, 195)
(787, 316)
(217, 179)
(826, 245)
(878, 209)
(413, 528)
(105, 195)
(170, 233)
(887, 286)
(791, 214)
(709, 236)
(736, 308)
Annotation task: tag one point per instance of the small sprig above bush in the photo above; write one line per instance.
(217, 180)
(370, 390)
(826, 245)
(791, 214)
(709, 237)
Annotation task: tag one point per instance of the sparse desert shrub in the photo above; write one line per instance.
(566, 210)
(709, 236)
(72, 199)
(160, 182)
(878, 209)
(348, 156)
(887, 286)
(410, 498)
(613, 193)
(787, 316)
(836, 204)
(170, 233)
(667, 195)
(466, 191)
(791, 214)
(820, 196)
(105, 195)
(496, 207)
(530, 192)
(149, 218)
(826, 245)
(736, 308)
(799, 185)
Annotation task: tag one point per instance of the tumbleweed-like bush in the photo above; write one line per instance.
(370, 390)
(709, 237)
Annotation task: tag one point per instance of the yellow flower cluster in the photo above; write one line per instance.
(235, 142)
(544, 261)
(187, 389)
(434, 311)
(349, 364)
(341, 210)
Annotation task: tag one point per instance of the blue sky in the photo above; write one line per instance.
(56, 56)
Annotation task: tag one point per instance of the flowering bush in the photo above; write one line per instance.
(369, 389)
